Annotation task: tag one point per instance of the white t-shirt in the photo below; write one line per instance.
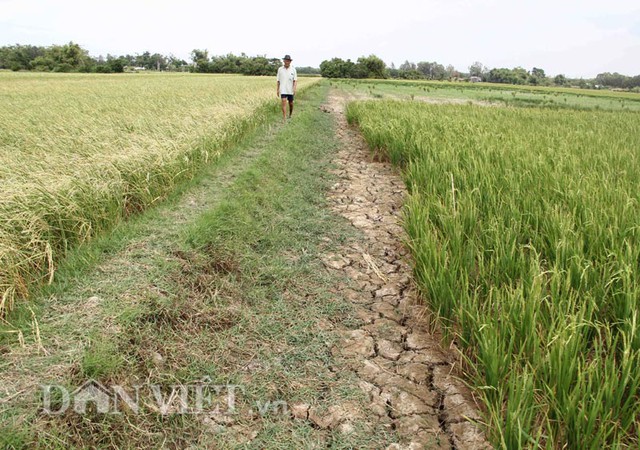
(286, 77)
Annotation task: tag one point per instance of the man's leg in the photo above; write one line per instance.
(290, 107)
(284, 109)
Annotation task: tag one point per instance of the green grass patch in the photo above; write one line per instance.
(101, 360)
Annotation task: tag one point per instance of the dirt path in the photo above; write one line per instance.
(406, 374)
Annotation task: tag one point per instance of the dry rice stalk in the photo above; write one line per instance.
(372, 265)
(36, 332)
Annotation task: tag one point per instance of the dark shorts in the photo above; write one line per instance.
(287, 96)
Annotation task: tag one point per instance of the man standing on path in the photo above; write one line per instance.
(287, 83)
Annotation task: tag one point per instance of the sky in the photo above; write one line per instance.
(572, 37)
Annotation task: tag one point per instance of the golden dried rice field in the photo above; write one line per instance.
(79, 152)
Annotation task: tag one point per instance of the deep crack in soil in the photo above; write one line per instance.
(406, 374)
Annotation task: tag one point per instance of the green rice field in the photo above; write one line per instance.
(495, 94)
(524, 227)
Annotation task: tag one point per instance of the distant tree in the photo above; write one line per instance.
(228, 63)
(157, 62)
(357, 70)
(74, 55)
(614, 80)
(64, 58)
(538, 73)
(200, 60)
(260, 65)
(410, 74)
(408, 71)
(496, 75)
(560, 80)
(451, 72)
(116, 64)
(101, 65)
(143, 60)
(477, 69)
(633, 82)
(19, 57)
(336, 68)
(517, 75)
(407, 66)
(537, 76)
(42, 63)
(151, 62)
(392, 71)
(330, 68)
(349, 70)
(432, 70)
(308, 70)
(374, 67)
(175, 64)
(425, 68)
(112, 64)
(131, 60)
(520, 75)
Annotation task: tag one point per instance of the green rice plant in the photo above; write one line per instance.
(523, 224)
(511, 95)
(79, 153)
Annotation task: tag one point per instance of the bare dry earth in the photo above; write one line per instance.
(409, 378)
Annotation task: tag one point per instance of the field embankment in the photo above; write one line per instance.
(78, 153)
(523, 223)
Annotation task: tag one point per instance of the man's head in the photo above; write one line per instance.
(287, 60)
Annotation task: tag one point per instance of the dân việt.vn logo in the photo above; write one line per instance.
(201, 397)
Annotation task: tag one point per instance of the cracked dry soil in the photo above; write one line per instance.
(405, 373)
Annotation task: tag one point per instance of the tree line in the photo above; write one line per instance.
(617, 80)
(243, 64)
(537, 76)
(373, 67)
(72, 57)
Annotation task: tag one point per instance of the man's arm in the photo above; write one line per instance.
(278, 90)
(295, 81)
